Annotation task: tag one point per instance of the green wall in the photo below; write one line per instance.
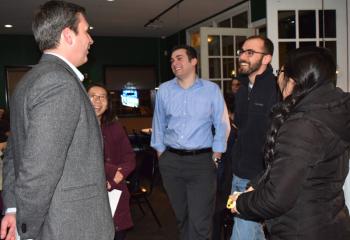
(15, 51)
(19, 50)
(120, 52)
(258, 9)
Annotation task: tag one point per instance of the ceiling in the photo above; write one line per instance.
(120, 17)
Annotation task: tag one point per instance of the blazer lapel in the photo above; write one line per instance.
(53, 58)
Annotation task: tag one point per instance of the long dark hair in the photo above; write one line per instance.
(310, 68)
(109, 116)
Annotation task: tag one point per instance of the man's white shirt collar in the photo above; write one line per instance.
(76, 71)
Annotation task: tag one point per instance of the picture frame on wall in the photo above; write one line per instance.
(13, 75)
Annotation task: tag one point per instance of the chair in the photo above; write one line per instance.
(141, 181)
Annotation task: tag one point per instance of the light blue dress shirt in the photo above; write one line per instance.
(183, 118)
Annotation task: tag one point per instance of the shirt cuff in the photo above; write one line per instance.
(219, 147)
(11, 210)
(159, 148)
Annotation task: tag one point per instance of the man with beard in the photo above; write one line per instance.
(253, 101)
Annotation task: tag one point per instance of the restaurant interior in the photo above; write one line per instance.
(130, 56)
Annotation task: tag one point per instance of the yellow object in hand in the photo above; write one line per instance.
(230, 203)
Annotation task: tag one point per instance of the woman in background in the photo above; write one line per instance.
(307, 154)
(119, 156)
(4, 123)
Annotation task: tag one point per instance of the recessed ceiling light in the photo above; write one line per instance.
(91, 27)
(8, 26)
(110, 0)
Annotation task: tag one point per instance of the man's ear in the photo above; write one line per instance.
(194, 61)
(267, 59)
(66, 36)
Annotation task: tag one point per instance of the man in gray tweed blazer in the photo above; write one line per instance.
(54, 181)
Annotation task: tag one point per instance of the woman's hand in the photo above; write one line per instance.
(118, 176)
(108, 185)
(3, 146)
(231, 202)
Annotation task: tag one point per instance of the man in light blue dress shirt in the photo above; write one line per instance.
(187, 108)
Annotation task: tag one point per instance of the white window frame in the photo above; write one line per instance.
(272, 8)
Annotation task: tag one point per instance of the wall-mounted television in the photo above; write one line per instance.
(133, 102)
(132, 89)
(129, 98)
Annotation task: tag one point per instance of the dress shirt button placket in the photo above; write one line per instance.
(185, 103)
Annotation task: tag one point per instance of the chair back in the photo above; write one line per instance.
(141, 180)
(145, 172)
(148, 169)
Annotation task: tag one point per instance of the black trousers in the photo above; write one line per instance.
(190, 182)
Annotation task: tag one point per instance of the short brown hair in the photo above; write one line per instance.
(51, 19)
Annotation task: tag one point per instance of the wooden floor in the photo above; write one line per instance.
(145, 226)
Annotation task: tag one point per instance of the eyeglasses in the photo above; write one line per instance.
(279, 71)
(249, 52)
(101, 98)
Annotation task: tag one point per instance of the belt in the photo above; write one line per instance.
(184, 152)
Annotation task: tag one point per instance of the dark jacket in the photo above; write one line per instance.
(251, 117)
(118, 153)
(303, 196)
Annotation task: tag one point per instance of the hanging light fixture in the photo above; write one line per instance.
(157, 18)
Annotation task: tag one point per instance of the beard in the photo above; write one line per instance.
(250, 68)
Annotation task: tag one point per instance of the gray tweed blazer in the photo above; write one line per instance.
(53, 167)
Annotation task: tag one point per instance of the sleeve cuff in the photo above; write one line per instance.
(218, 147)
(159, 148)
(11, 210)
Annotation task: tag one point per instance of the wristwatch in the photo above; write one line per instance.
(217, 160)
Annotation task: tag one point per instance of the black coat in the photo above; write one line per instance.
(252, 119)
(303, 197)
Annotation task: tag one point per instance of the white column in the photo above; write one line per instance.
(347, 182)
(347, 191)
(348, 13)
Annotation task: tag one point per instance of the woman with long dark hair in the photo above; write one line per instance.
(118, 154)
(307, 153)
